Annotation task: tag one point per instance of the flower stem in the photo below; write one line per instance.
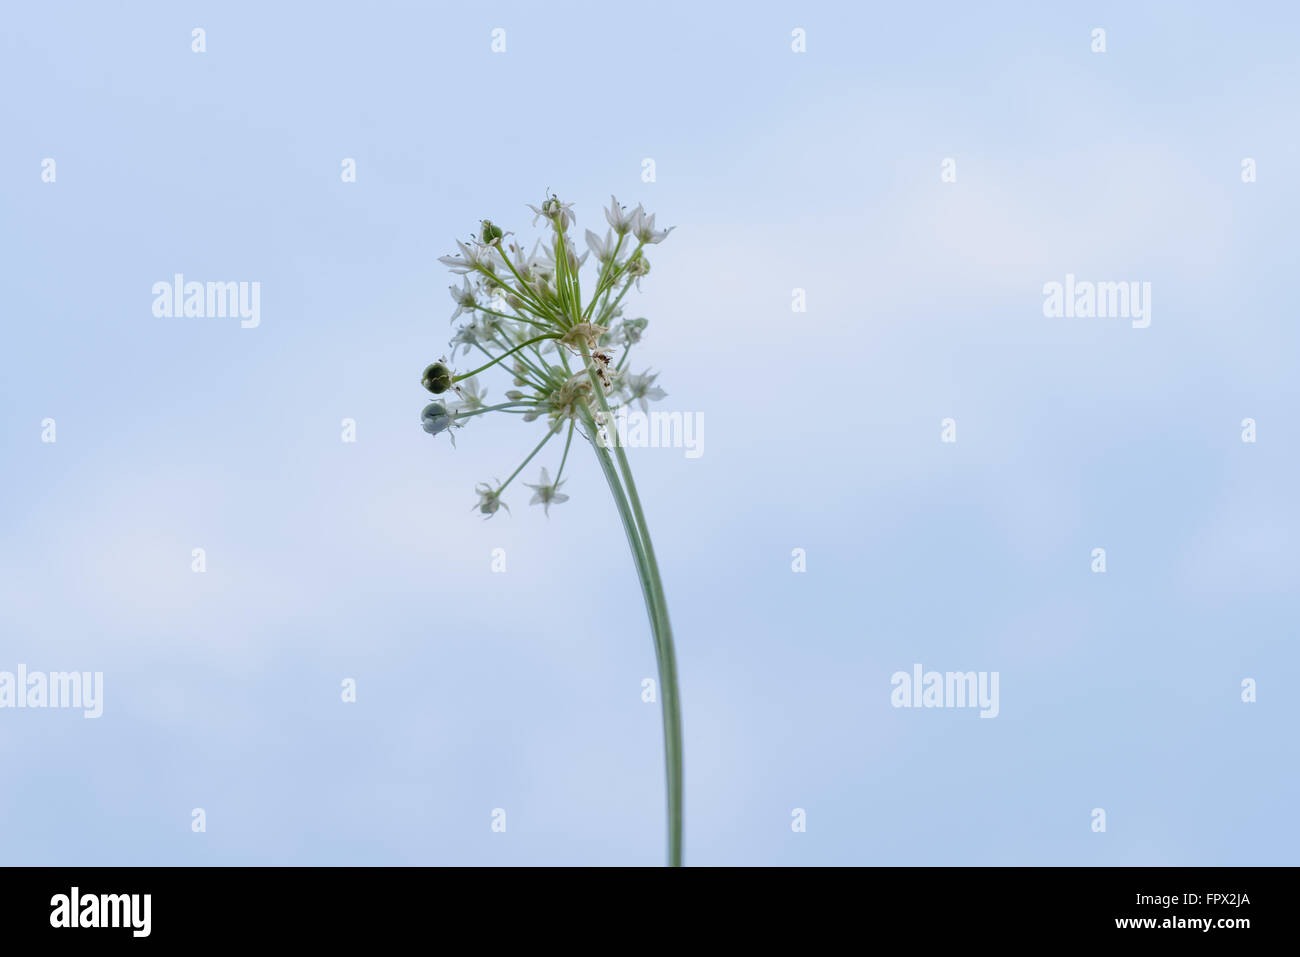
(667, 669)
(564, 458)
(549, 434)
(638, 534)
(467, 375)
(489, 408)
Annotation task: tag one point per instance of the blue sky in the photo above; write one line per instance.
(820, 171)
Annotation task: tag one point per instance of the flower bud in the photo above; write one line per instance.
(437, 378)
(632, 330)
(434, 418)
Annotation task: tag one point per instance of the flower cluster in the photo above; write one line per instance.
(566, 354)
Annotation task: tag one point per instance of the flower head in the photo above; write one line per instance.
(562, 359)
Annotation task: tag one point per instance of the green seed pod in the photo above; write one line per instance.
(437, 378)
(491, 231)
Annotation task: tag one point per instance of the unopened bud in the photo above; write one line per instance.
(437, 378)
(434, 418)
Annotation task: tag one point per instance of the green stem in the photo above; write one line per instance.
(565, 457)
(522, 293)
(491, 408)
(606, 309)
(602, 310)
(549, 433)
(514, 318)
(657, 607)
(604, 277)
(503, 341)
(667, 667)
(467, 375)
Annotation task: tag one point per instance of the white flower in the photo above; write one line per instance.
(467, 262)
(536, 259)
(489, 500)
(637, 267)
(602, 249)
(467, 336)
(643, 226)
(557, 212)
(463, 298)
(641, 387)
(514, 255)
(629, 332)
(471, 397)
(618, 217)
(547, 494)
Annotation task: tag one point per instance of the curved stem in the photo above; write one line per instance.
(657, 607)
(667, 666)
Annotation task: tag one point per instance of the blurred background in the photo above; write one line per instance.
(328, 560)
